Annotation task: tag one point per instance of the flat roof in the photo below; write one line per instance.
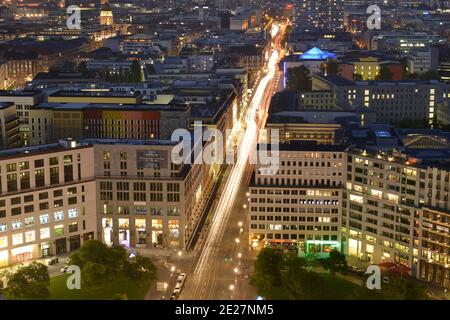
(19, 93)
(4, 105)
(64, 93)
(306, 146)
(111, 106)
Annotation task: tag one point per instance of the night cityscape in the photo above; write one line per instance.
(200, 150)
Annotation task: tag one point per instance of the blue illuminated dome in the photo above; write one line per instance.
(317, 54)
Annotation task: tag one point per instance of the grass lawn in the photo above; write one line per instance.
(135, 290)
(334, 288)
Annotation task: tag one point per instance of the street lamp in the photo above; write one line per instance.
(239, 255)
(237, 240)
(231, 287)
(240, 223)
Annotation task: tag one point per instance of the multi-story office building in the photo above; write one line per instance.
(9, 126)
(124, 192)
(400, 41)
(396, 210)
(22, 67)
(47, 201)
(321, 14)
(52, 121)
(391, 101)
(421, 61)
(300, 203)
(23, 100)
(143, 198)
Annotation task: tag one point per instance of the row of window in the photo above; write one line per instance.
(43, 219)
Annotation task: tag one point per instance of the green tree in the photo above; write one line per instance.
(430, 75)
(404, 289)
(331, 67)
(299, 283)
(336, 262)
(384, 74)
(29, 282)
(119, 296)
(141, 269)
(136, 73)
(267, 273)
(94, 274)
(298, 78)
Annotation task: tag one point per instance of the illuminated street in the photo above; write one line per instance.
(219, 273)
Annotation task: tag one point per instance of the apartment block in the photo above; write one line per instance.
(300, 203)
(396, 210)
(47, 201)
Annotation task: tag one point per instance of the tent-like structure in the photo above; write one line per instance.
(317, 54)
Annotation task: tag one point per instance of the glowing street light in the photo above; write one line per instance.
(240, 223)
(244, 206)
(236, 270)
(172, 269)
(231, 287)
(239, 255)
(237, 240)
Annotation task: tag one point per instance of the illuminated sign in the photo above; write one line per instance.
(152, 159)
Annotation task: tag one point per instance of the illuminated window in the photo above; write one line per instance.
(30, 236)
(44, 218)
(73, 213)
(17, 239)
(357, 199)
(59, 230)
(59, 215)
(45, 233)
(3, 242)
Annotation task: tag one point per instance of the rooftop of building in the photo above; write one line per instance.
(19, 93)
(304, 146)
(340, 81)
(111, 107)
(96, 94)
(5, 105)
(317, 54)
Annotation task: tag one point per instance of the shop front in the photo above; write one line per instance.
(22, 254)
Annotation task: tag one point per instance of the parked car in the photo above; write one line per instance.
(51, 261)
(181, 278)
(64, 269)
(173, 297)
(385, 279)
(177, 289)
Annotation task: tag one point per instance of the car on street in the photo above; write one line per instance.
(177, 289)
(173, 297)
(181, 278)
(64, 269)
(51, 261)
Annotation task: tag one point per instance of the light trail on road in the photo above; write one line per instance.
(223, 209)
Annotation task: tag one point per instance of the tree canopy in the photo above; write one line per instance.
(298, 78)
(29, 282)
